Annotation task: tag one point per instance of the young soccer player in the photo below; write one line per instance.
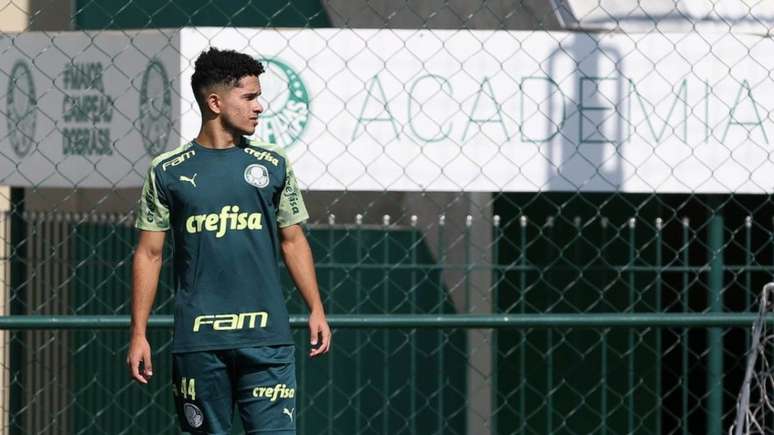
(230, 205)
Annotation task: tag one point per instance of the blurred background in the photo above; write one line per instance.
(512, 183)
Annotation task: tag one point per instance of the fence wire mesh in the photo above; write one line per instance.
(754, 408)
(576, 158)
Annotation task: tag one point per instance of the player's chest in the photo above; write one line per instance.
(204, 185)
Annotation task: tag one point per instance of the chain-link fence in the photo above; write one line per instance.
(527, 217)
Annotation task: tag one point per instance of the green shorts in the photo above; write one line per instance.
(260, 381)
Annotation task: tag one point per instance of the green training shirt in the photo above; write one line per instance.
(224, 208)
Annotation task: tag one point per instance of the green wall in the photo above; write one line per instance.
(149, 14)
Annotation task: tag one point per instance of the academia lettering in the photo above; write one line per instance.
(584, 110)
(228, 219)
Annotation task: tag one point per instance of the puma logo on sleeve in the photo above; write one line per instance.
(191, 180)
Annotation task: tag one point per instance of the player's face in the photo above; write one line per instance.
(241, 108)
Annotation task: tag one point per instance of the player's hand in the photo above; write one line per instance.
(138, 360)
(319, 334)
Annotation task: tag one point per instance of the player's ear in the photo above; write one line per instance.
(214, 102)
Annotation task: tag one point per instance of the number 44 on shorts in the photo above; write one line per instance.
(187, 388)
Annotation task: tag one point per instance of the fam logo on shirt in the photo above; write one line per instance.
(287, 111)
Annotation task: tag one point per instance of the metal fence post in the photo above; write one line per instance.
(331, 285)
(659, 270)
(414, 241)
(440, 310)
(386, 333)
(498, 274)
(18, 263)
(549, 234)
(523, 334)
(358, 299)
(714, 335)
(631, 344)
(686, 223)
(603, 407)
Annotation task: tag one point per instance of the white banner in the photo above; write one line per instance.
(416, 109)
(513, 111)
(86, 109)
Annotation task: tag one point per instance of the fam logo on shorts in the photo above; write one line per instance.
(155, 107)
(21, 104)
(193, 415)
(287, 112)
(257, 175)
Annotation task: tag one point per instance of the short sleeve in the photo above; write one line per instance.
(153, 212)
(291, 205)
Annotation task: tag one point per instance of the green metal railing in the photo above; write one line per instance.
(420, 321)
(406, 330)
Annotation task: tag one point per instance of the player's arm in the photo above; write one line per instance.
(153, 221)
(291, 212)
(146, 267)
(298, 259)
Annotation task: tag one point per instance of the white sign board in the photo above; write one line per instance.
(422, 110)
(84, 109)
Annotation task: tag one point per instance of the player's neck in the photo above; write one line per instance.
(217, 138)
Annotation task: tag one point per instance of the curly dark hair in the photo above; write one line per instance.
(221, 67)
